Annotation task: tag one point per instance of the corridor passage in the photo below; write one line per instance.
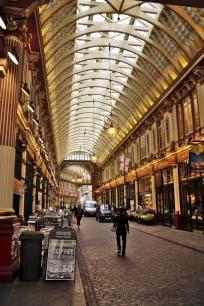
(154, 271)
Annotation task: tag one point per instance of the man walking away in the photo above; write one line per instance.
(122, 229)
(78, 215)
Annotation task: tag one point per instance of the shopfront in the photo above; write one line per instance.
(130, 195)
(192, 198)
(165, 196)
(121, 195)
(113, 196)
(145, 194)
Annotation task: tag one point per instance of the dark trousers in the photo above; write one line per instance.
(118, 235)
(78, 220)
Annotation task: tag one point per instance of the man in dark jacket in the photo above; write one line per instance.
(122, 228)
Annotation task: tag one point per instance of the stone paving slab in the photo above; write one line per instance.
(43, 293)
(188, 239)
(155, 271)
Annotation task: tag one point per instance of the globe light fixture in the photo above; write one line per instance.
(93, 158)
(84, 173)
(111, 130)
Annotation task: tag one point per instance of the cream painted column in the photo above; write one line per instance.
(125, 195)
(23, 176)
(9, 89)
(136, 194)
(154, 198)
(34, 190)
(116, 197)
(176, 189)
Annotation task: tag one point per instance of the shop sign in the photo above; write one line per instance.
(121, 181)
(113, 184)
(145, 171)
(166, 163)
(196, 158)
(19, 187)
(61, 260)
(182, 156)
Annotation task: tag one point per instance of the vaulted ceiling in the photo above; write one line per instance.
(109, 61)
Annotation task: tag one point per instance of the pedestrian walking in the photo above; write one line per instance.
(122, 228)
(69, 215)
(78, 215)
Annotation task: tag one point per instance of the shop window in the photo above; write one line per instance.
(167, 123)
(196, 110)
(138, 151)
(133, 159)
(161, 134)
(180, 121)
(143, 146)
(188, 116)
(154, 139)
(148, 148)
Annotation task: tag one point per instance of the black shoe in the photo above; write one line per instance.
(119, 251)
(123, 253)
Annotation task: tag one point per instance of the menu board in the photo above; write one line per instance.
(61, 255)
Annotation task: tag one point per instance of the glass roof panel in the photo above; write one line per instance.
(144, 59)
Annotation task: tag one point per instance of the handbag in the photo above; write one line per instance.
(114, 227)
(74, 220)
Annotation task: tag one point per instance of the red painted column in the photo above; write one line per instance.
(9, 224)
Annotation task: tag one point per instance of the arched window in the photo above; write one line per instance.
(148, 148)
(154, 139)
(167, 123)
(138, 152)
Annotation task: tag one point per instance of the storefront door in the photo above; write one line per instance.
(165, 205)
(192, 205)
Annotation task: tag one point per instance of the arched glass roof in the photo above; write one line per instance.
(75, 172)
(139, 48)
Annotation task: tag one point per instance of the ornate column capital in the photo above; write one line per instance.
(199, 71)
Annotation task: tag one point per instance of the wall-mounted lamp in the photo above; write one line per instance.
(2, 23)
(13, 54)
(35, 120)
(25, 89)
(31, 107)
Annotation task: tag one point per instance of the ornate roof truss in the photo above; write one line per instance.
(150, 45)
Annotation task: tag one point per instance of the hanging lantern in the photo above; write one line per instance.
(111, 130)
(93, 158)
(84, 173)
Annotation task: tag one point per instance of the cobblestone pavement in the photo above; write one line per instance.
(154, 272)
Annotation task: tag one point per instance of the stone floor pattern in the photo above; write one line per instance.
(154, 272)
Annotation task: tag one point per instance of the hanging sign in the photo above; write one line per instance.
(196, 158)
(61, 260)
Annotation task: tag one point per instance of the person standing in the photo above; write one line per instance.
(122, 228)
(78, 215)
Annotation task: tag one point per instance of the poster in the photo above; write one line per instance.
(61, 255)
(196, 158)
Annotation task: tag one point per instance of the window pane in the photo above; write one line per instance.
(161, 134)
(180, 119)
(188, 116)
(196, 111)
(148, 150)
(154, 139)
(167, 130)
(143, 146)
